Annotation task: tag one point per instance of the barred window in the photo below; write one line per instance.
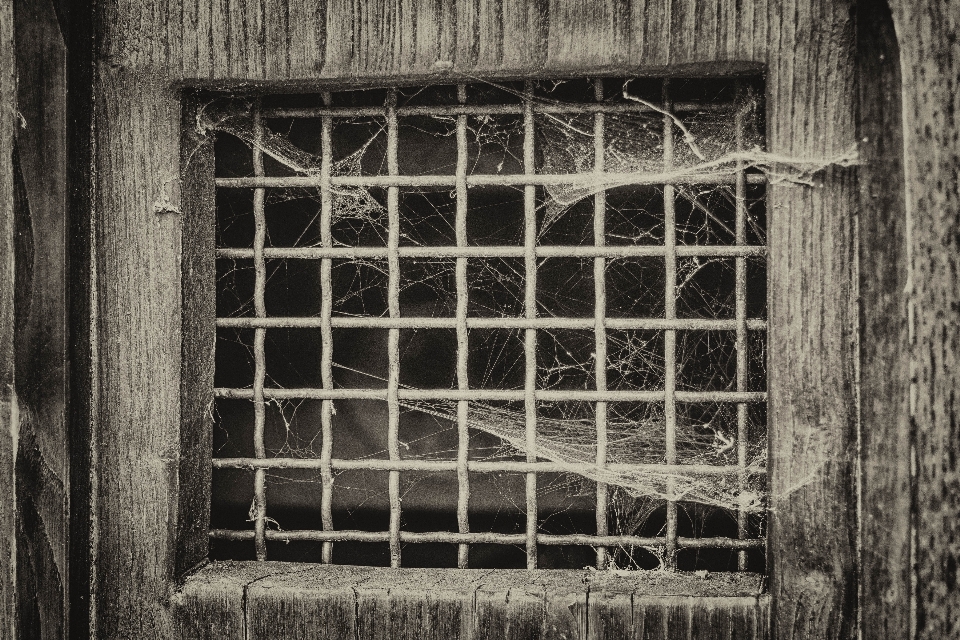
(514, 324)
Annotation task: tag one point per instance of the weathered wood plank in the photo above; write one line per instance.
(610, 610)
(289, 600)
(885, 352)
(138, 345)
(509, 606)
(309, 602)
(41, 322)
(813, 323)
(9, 419)
(211, 604)
(930, 59)
(417, 603)
(199, 336)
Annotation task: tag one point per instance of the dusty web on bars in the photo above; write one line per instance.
(708, 149)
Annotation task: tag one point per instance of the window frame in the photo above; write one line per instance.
(817, 569)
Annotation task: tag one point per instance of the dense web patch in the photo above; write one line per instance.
(718, 127)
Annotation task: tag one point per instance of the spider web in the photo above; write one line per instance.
(706, 151)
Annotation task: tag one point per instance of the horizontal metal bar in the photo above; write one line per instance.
(492, 395)
(487, 109)
(478, 466)
(488, 538)
(593, 180)
(652, 324)
(551, 251)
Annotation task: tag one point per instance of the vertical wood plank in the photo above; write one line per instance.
(509, 607)
(813, 321)
(41, 321)
(307, 39)
(572, 24)
(930, 59)
(885, 350)
(9, 420)
(610, 611)
(214, 606)
(526, 25)
(138, 345)
(198, 208)
(312, 603)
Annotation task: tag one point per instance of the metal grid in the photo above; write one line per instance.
(530, 323)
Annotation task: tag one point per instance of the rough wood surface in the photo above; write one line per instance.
(813, 328)
(9, 420)
(286, 600)
(41, 321)
(199, 338)
(148, 47)
(884, 350)
(930, 64)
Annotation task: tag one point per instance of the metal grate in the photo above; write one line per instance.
(530, 322)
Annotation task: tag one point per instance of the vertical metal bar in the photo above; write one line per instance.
(530, 308)
(259, 509)
(741, 318)
(393, 341)
(463, 433)
(326, 332)
(599, 315)
(670, 335)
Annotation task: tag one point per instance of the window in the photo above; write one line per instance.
(152, 291)
(494, 324)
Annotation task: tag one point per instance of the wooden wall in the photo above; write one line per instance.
(930, 63)
(146, 48)
(9, 420)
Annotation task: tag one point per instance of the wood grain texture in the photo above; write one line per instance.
(137, 340)
(214, 607)
(930, 65)
(149, 47)
(193, 196)
(9, 419)
(41, 321)
(287, 600)
(884, 348)
(813, 328)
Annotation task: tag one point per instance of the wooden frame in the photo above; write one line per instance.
(137, 338)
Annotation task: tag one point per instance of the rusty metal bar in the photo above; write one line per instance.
(490, 395)
(480, 466)
(429, 322)
(670, 335)
(326, 331)
(740, 313)
(463, 349)
(393, 337)
(548, 251)
(490, 538)
(259, 507)
(530, 312)
(599, 319)
(496, 180)
(487, 109)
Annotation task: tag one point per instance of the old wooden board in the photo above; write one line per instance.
(884, 352)
(41, 321)
(930, 66)
(9, 419)
(287, 600)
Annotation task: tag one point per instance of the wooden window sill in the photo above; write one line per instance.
(277, 600)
